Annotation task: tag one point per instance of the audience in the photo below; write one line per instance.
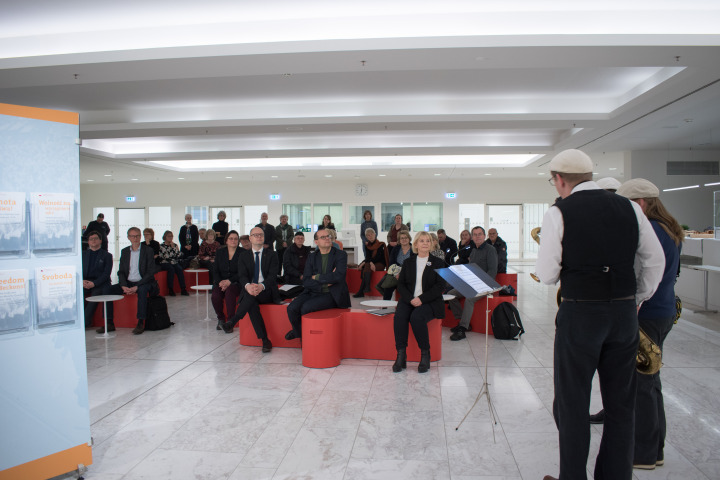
(283, 238)
(220, 227)
(376, 259)
(189, 238)
(500, 248)
(208, 249)
(100, 226)
(149, 235)
(326, 223)
(401, 252)
(268, 231)
(226, 288)
(447, 245)
(294, 260)
(368, 222)
(464, 247)
(395, 229)
(169, 256)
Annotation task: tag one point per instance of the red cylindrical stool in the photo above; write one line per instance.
(321, 337)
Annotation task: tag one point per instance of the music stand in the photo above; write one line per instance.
(485, 288)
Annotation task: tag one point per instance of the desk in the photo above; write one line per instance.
(196, 271)
(351, 249)
(705, 269)
(104, 299)
(207, 289)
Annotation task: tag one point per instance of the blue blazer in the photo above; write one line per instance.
(337, 268)
(100, 274)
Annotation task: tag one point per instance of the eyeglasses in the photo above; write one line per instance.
(257, 234)
(133, 236)
(324, 237)
(551, 181)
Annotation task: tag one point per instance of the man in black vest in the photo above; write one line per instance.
(257, 269)
(602, 282)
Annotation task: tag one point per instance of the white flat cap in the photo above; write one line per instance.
(571, 161)
(608, 183)
(638, 188)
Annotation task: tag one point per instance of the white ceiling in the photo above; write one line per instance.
(363, 83)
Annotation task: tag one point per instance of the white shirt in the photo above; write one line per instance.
(134, 273)
(421, 264)
(649, 257)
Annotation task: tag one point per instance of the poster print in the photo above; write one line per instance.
(56, 295)
(53, 221)
(15, 313)
(13, 224)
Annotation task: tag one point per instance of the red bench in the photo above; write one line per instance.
(125, 310)
(353, 279)
(276, 324)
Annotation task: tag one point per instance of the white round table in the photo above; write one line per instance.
(379, 303)
(207, 289)
(447, 297)
(104, 299)
(196, 271)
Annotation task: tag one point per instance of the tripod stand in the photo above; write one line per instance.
(485, 390)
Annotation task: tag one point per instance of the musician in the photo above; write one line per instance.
(596, 325)
(656, 317)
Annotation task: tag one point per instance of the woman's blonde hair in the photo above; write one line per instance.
(209, 231)
(417, 238)
(404, 233)
(655, 210)
(150, 231)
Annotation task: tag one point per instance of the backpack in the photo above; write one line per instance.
(506, 323)
(157, 314)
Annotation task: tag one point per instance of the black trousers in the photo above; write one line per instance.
(90, 307)
(308, 302)
(600, 336)
(650, 426)
(249, 304)
(418, 317)
(150, 288)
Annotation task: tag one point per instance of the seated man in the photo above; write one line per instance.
(245, 242)
(295, 259)
(485, 257)
(96, 268)
(136, 275)
(447, 245)
(500, 248)
(324, 282)
(257, 270)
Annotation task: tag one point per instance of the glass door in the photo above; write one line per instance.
(126, 218)
(233, 217)
(506, 220)
(252, 217)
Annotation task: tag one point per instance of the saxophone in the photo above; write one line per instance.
(649, 356)
(535, 234)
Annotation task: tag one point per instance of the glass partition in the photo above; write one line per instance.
(427, 216)
(299, 216)
(332, 209)
(388, 212)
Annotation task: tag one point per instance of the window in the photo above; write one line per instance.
(532, 217)
(427, 216)
(388, 212)
(506, 220)
(252, 217)
(332, 209)
(356, 213)
(471, 215)
(233, 217)
(299, 216)
(199, 215)
(159, 220)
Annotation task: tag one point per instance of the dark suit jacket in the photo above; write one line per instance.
(269, 266)
(337, 267)
(221, 266)
(269, 232)
(146, 265)
(449, 248)
(100, 274)
(433, 284)
(194, 235)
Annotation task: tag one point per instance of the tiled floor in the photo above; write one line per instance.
(190, 403)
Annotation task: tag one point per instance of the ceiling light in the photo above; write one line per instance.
(613, 168)
(487, 174)
(328, 176)
(438, 174)
(274, 176)
(541, 173)
(228, 177)
(181, 178)
(107, 175)
(711, 184)
(134, 179)
(680, 188)
(90, 180)
(382, 175)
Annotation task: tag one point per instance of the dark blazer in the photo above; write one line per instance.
(269, 266)
(450, 249)
(221, 229)
(337, 267)
(433, 284)
(102, 228)
(291, 263)
(221, 265)
(100, 274)
(146, 265)
(195, 240)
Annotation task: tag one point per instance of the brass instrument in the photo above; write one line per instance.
(649, 356)
(535, 234)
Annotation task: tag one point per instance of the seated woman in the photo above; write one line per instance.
(206, 254)
(401, 252)
(150, 241)
(436, 250)
(326, 223)
(376, 259)
(419, 303)
(169, 256)
(333, 234)
(226, 289)
(464, 247)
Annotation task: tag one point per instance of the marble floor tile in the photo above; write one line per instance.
(252, 473)
(472, 449)
(318, 454)
(184, 465)
(337, 409)
(352, 378)
(372, 469)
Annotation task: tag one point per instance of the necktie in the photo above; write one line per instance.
(256, 275)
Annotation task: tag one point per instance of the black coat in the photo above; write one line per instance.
(337, 268)
(449, 248)
(269, 267)
(433, 284)
(194, 242)
(146, 266)
(221, 265)
(221, 229)
(292, 263)
(101, 271)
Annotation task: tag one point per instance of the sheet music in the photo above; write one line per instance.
(470, 278)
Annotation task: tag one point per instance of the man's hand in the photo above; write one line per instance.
(416, 302)
(188, 247)
(88, 284)
(129, 290)
(372, 266)
(254, 289)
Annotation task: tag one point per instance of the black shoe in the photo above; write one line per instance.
(111, 328)
(424, 364)
(227, 327)
(291, 335)
(171, 293)
(184, 293)
(139, 329)
(219, 325)
(401, 361)
(455, 328)
(598, 418)
(458, 335)
(359, 295)
(267, 346)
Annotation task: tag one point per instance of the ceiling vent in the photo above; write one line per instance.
(693, 168)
